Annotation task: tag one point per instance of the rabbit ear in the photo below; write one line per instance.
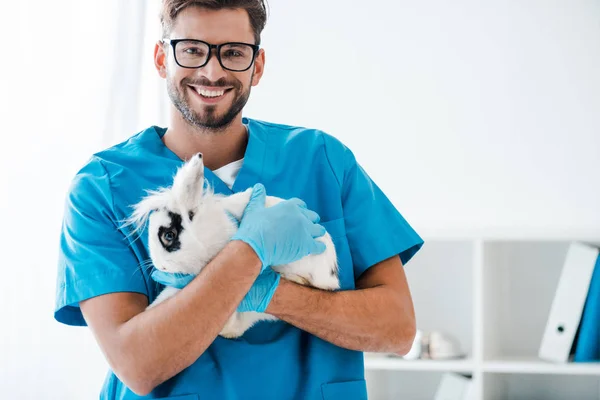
(154, 200)
(189, 182)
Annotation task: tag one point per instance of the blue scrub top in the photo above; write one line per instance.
(271, 360)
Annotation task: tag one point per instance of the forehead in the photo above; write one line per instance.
(213, 26)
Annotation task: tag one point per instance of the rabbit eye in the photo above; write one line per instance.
(168, 236)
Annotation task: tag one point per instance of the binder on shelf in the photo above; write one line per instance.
(455, 387)
(587, 347)
(569, 299)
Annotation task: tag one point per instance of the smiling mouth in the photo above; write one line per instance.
(211, 94)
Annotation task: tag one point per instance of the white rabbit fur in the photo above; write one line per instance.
(205, 228)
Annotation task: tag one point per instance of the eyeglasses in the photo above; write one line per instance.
(233, 56)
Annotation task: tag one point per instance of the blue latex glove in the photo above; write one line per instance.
(260, 294)
(173, 279)
(280, 234)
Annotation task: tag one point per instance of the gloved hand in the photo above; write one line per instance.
(280, 234)
(260, 294)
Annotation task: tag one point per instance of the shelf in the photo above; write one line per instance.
(499, 233)
(535, 366)
(525, 365)
(492, 292)
(382, 362)
(540, 386)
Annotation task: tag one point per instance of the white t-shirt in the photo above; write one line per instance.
(228, 173)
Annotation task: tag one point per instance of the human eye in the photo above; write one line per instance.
(193, 50)
(233, 53)
(236, 51)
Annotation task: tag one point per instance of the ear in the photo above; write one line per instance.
(259, 67)
(155, 200)
(235, 204)
(160, 59)
(188, 184)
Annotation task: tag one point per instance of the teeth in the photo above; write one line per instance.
(210, 93)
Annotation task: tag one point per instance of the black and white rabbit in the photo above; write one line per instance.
(189, 224)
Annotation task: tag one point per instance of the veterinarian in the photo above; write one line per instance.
(210, 57)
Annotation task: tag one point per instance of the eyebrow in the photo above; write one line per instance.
(236, 43)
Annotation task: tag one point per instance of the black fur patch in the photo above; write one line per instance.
(176, 227)
(333, 272)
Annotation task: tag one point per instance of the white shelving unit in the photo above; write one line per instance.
(492, 291)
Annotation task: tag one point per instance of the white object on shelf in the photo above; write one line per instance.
(568, 303)
(454, 387)
(440, 346)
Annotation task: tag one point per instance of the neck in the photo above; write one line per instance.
(218, 147)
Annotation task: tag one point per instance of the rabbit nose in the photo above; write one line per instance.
(200, 156)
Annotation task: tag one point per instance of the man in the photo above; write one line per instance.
(210, 58)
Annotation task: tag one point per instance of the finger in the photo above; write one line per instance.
(318, 247)
(297, 202)
(317, 230)
(257, 198)
(311, 215)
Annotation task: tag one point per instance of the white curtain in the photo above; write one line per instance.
(137, 95)
(78, 76)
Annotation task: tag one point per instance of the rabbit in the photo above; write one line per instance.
(189, 224)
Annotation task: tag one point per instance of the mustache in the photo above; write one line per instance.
(206, 82)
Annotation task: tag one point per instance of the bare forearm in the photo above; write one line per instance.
(164, 340)
(372, 319)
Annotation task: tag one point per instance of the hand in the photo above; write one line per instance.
(260, 294)
(280, 234)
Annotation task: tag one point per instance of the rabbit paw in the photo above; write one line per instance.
(234, 327)
(232, 332)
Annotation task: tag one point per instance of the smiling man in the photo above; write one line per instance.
(210, 57)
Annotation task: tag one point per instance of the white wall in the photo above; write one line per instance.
(471, 115)
(53, 77)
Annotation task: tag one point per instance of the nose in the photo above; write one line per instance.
(213, 70)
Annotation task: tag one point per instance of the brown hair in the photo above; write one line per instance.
(256, 10)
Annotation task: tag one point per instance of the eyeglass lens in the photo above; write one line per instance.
(234, 56)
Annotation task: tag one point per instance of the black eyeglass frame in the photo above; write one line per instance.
(217, 47)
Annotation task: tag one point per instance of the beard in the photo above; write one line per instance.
(209, 118)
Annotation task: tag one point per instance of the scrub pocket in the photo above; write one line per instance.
(351, 390)
(337, 230)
